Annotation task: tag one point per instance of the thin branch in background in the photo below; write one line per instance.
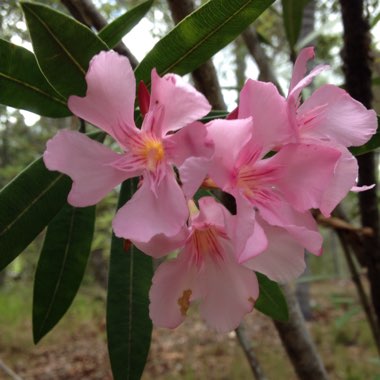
(205, 76)
(298, 343)
(9, 372)
(245, 343)
(352, 243)
(85, 12)
(360, 289)
(257, 52)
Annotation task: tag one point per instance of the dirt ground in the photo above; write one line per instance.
(193, 351)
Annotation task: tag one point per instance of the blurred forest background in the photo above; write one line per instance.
(331, 293)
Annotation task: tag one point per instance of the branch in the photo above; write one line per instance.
(298, 343)
(257, 52)
(249, 352)
(205, 77)
(8, 371)
(85, 12)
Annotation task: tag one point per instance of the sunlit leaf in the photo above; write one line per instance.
(271, 301)
(200, 35)
(61, 266)
(112, 33)
(63, 47)
(22, 84)
(128, 324)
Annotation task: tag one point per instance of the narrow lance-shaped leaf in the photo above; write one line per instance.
(63, 47)
(61, 266)
(200, 35)
(271, 301)
(29, 202)
(112, 33)
(128, 324)
(292, 13)
(22, 85)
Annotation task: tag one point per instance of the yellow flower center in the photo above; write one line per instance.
(153, 152)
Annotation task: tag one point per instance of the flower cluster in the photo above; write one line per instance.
(278, 157)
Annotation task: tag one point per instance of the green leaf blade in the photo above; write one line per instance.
(129, 327)
(112, 33)
(61, 266)
(27, 88)
(292, 13)
(29, 202)
(271, 301)
(199, 36)
(63, 47)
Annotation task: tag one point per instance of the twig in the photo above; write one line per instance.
(85, 12)
(360, 289)
(257, 52)
(241, 333)
(9, 372)
(340, 224)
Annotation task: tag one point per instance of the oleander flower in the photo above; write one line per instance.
(170, 136)
(207, 271)
(329, 117)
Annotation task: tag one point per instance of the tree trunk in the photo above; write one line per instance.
(357, 62)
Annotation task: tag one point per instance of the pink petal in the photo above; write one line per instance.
(182, 103)
(87, 162)
(301, 226)
(268, 109)
(148, 214)
(345, 174)
(109, 101)
(211, 212)
(338, 117)
(161, 245)
(299, 78)
(300, 66)
(249, 237)
(283, 260)
(358, 189)
(303, 173)
(173, 281)
(230, 137)
(228, 291)
(190, 149)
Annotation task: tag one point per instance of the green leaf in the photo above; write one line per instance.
(292, 13)
(29, 202)
(112, 33)
(27, 88)
(199, 36)
(129, 327)
(63, 47)
(371, 145)
(271, 301)
(61, 266)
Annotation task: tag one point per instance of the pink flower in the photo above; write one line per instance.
(169, 136)
(329, 117)
(206, 270)
(281, 188)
